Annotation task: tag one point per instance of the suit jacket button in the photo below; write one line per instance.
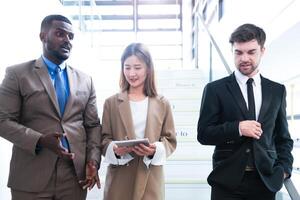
(248, 150)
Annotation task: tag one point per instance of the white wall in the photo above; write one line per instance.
(20, 26)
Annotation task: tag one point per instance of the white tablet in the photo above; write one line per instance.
(130, 143)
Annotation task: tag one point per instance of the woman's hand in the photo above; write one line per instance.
(121, 151)
(143, 150)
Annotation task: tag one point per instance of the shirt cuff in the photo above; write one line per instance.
(110, 156)
(240, 131)
(159, 157)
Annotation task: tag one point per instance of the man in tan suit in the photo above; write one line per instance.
(48, 111)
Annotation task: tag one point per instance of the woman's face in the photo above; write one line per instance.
(135, 72)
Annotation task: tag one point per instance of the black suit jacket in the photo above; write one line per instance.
(222, 108)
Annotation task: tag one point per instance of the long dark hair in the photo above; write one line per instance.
(141, 51)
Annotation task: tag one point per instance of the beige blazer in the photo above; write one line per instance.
(29, 108)
(134, 181)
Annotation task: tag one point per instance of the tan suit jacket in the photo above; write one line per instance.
(29, 108)
(134, 181)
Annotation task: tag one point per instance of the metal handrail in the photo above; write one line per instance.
(214, 42)
(288, 183)
(290, 187)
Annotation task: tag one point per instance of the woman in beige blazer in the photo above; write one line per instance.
(136, 173)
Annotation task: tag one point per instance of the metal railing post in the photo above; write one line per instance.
(290, 187)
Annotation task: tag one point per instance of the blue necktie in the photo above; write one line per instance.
(62, 97)
(61, 91)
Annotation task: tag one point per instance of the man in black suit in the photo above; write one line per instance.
(246, 121)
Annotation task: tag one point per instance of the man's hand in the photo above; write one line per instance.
(250, 128)
(285, 175)
(92, 177)
(52, 142)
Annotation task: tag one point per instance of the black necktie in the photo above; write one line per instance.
(251, 102)
(251, 116)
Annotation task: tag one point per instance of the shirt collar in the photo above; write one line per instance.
(242, 79)
(52, 66)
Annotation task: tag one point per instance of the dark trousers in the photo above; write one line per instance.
(251, 188)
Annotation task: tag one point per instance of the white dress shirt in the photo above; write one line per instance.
(242, 81)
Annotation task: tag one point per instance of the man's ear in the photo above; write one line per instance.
(42, 36)
(263, 50)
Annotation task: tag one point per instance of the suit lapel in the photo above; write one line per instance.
(42, 72)
(266, 97)
(235, 91)
(72, 86)
(125, 113)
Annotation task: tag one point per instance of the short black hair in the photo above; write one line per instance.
(47, 21)
(248, 32)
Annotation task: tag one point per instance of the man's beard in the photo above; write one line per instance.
(250, 70)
